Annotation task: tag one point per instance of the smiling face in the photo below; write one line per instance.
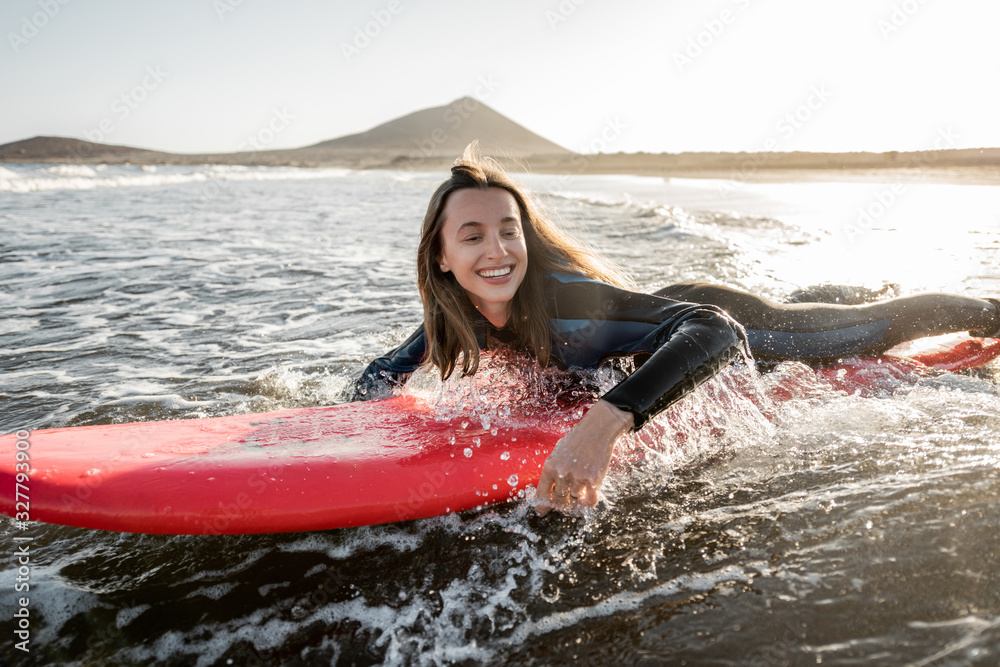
(482, 245)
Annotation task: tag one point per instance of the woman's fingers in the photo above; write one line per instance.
(575, 469)
(581, 494)
(564, 493)
(561, 489)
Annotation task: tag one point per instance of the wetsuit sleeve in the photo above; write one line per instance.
(686, 343)
(693, 350)
(392, 369)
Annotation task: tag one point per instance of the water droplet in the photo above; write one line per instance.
(494, 487)
(468, 452)
(465, 424)
(512, 480)
(476, 441)
(505, 456)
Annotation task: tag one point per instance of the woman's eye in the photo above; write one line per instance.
(512, 233)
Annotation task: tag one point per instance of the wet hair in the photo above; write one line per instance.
(448, 312)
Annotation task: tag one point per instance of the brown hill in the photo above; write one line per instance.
(64, 149)
(427, 136)
(445, 131)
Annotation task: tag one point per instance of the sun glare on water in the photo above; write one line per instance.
(919, 236)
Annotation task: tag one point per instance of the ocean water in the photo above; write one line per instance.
(829, 528)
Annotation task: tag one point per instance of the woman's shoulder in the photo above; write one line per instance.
(567, 278)
(576, 293)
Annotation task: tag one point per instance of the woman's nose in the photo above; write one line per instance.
(497, 249)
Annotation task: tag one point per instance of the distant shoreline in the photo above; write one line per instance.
(430, 140)
(958, 166)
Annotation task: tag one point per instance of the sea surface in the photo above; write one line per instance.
(830, 528)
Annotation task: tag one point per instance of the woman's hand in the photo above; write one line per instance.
(574, 471)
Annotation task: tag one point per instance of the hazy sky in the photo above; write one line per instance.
(673, 75)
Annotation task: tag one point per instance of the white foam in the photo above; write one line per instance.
(359, 540)
(168, 401)
(83, 177)
(72, 170)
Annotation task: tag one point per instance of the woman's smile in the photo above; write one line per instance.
(494, 275)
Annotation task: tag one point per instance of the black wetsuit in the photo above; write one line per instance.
(680, 341)
(816, 332)
(591, 322)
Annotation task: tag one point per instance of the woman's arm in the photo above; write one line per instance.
(689, 349)
(391, 369)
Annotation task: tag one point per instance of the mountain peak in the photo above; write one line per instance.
(446, 131)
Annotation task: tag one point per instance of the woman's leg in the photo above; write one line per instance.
(822, 331)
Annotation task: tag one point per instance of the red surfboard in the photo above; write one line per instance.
(313, 468)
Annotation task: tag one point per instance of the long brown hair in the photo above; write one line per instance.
(448, 312)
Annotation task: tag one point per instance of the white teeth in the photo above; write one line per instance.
(495, 273)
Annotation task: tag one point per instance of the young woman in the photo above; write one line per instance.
(493, 271)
